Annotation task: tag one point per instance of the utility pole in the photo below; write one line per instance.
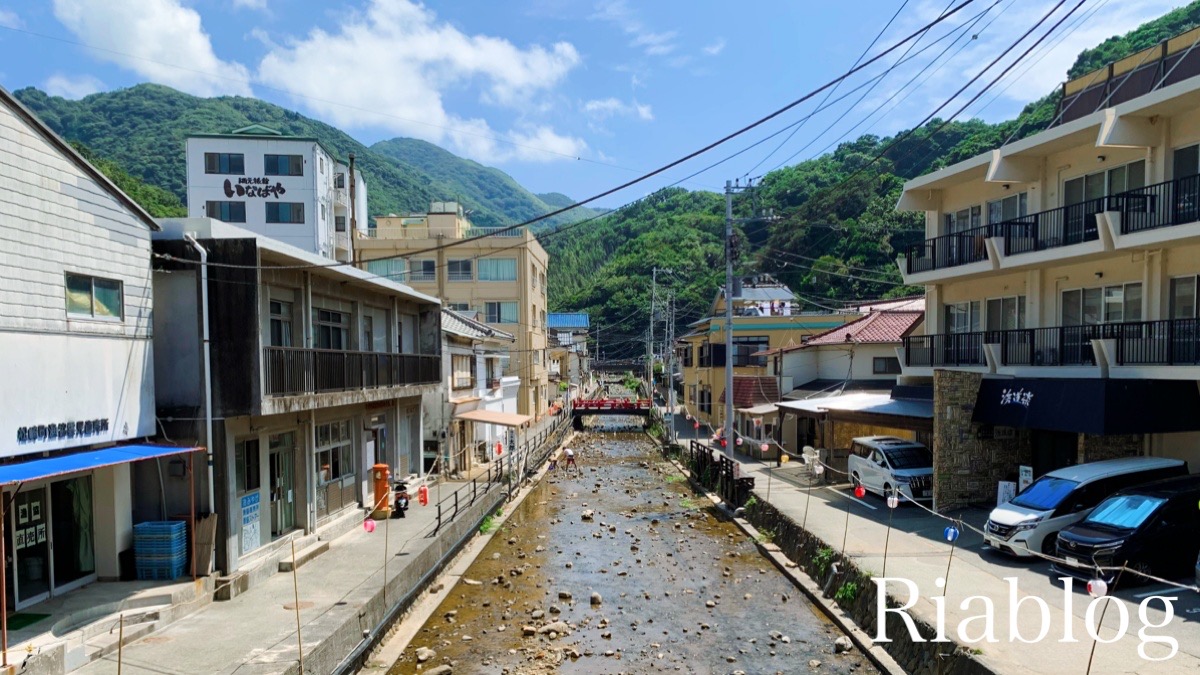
(729, 318)
(670, 369)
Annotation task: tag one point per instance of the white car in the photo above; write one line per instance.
(882, 464)
(1030, 523)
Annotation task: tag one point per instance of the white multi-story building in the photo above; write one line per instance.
(77, 355)
(290, 188)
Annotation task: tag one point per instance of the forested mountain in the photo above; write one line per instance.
(142, 130)
(838, 234)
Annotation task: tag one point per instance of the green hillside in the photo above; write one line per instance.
(142, 130)
(493, 195)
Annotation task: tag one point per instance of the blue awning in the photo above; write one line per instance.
(48, 467)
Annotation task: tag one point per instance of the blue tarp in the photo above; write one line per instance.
(46, 467)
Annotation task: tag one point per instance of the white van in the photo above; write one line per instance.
(883, 463)
(1032, 520)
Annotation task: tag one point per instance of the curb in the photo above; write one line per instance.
(874, 653)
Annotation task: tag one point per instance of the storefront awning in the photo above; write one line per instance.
(494, 417)
(1090, 406)
(48, 467)
(759, 410)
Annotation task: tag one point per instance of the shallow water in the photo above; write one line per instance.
(681, 590)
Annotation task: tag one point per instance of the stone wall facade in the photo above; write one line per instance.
(968, 461)
(1094, 448)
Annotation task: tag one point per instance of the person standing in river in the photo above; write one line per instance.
(570, 455)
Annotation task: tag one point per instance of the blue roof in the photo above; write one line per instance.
(559, 320)
(46, 467)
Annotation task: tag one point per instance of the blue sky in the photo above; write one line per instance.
(565, 96)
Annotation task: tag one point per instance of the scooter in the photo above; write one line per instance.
(400, 497)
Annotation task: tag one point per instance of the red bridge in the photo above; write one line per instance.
(612, 406)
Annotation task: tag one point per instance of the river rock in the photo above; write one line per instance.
(564, 595)
(596, 599)
(528, 631)
(814, 664)
(424, 654)
(537, 614)
(559, 627)
(588, 515)
(842, 645)
(440, 670)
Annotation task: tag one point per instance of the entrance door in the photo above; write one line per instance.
(282, 487)
(71, 532)
(1053, 450)
(27, 538)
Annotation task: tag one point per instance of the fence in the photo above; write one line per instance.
(292, 370)
(1062, 226)
(717, 473)
(1160, 205)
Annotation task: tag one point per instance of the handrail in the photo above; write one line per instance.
(1164, 204)
(1053, 228)
(291, 371)
(949, 250)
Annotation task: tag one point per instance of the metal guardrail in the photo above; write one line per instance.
(1167, 342)
(1173, 202)
(946, 349)
(1053, 228)
(718, 473)
(292, 371)
(949, 250)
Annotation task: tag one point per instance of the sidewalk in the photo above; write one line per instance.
(917, 551)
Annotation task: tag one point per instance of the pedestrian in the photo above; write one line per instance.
(570, 454)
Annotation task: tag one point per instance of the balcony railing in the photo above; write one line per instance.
(1062, 226)
(1167, 342)
(492, 232)
(1053, 346)
(946, 349)
(949, 250)
(1162, 205)
(291, 371)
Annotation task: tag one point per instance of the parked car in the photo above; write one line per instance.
(883, 463)
(1031, 521)
(1152, 528)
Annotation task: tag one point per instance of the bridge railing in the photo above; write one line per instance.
(716, 472)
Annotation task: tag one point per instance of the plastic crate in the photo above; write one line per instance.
(167, 573)
(157, 530)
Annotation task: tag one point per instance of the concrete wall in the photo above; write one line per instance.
(966, 467)
(112, 493)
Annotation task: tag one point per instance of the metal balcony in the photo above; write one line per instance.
(292, 371)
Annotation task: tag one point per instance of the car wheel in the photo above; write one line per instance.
(1141, 568)
(887, 490)
(1050, 544)
(855, 481)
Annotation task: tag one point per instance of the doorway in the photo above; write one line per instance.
(282, 471)
(1053, 450)
(49, 540)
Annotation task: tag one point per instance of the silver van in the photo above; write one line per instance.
(1031, 521)
(883, 463)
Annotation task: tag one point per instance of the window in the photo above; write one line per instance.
(543, 316)
(1111, 304)
(498, 269)
(323, 213)
(744, 347)
(458, 307)
(339, 181)
(460, 270)
(368, 343)
(335, 452)
(500, 312)
(225, 162)
(95, 297)
(331, 329)
(712, 355)
(1183, 298)
(1009, 208)
(281, 323)
(283, 165)
(885, 365)
(537, 358)
(464, 377)
(1006, 313)
(543, 275)
(963, 317)
(533, 275)
(685, 356)
(230, 212)
(339, 222)
(964, 219)
(388, 268)
(1102, 183)
(321, 165)
(246, 466)
(285, 212)
(1129, 177)
(424, 270)
(1185, 161)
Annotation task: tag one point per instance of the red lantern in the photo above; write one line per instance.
(369, 525)
(860, 491)
(423, 495)
(764, 447)
(696, 425)
(499, 448)
(739, 441)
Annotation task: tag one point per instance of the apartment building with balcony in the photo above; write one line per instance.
(766, 317)
(312, 375)
(1061, 277)
(482, 407)
(498, 278)
(569, 362)
(290, 188)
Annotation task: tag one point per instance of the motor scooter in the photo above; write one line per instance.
(400, 498)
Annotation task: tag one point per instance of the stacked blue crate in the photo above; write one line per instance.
(160, 549)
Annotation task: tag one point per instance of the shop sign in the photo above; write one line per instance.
(1024, 477)
(1016, 397)
(251, 534)
(37, 433)
(254, 186)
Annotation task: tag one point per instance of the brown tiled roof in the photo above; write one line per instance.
(875, 327)
(750, 390)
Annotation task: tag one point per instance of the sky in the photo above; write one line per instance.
(564, 95)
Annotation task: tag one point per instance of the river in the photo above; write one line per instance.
(679, 588)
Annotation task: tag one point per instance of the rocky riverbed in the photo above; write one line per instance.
(619, 568)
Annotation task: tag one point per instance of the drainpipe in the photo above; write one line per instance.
(208, 417)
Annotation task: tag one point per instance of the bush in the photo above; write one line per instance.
(846, 593)
(822, 560)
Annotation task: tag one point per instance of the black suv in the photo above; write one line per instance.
(1152, 528)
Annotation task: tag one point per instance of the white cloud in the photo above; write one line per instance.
(72, 87)
(716, 47)
(604, 108)
(9, 19)
(160, 40)
(260, 5)
(392, 65)
(650, 42)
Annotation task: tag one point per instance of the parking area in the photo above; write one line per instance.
(909, 544)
